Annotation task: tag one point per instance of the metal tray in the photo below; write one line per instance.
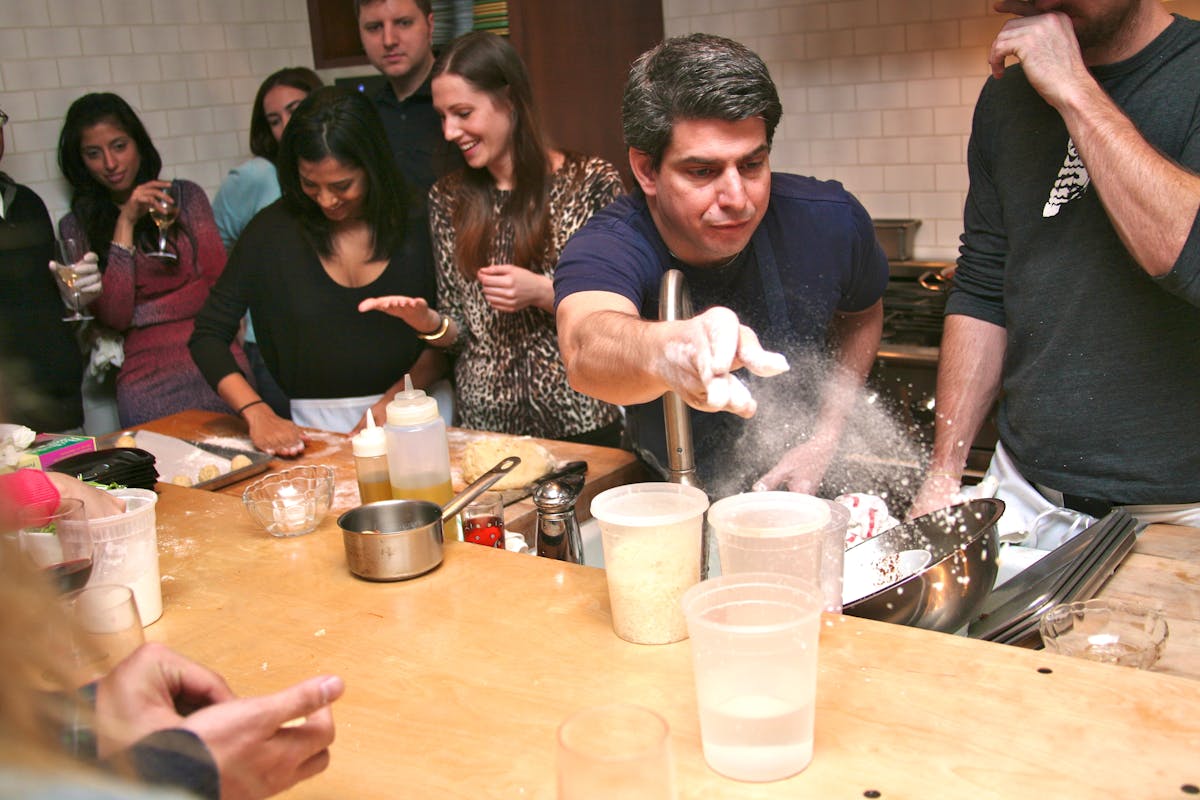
(259, 462)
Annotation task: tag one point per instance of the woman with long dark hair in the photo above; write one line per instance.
(106, 155)
(497, 226)
(253, 185)
(345, 229)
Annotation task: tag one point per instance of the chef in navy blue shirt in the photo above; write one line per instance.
(783, 270)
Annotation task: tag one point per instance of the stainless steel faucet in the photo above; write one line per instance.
(675, 303)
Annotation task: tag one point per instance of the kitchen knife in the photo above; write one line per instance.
(570, 468)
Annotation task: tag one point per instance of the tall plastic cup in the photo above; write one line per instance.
(127, 551)
(754, 651)
(784, 532)
(651, 536)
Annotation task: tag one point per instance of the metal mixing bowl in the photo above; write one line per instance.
(948, 593)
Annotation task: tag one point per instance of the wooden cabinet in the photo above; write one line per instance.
(578, 53)
(334, 33)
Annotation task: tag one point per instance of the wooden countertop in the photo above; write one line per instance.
(457, 680)
(607, 466)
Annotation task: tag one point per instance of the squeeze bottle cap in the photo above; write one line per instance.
(371, 441)
(412, 406)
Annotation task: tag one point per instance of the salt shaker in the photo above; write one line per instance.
(557, 532)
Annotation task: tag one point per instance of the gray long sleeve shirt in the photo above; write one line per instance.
(1101, 377)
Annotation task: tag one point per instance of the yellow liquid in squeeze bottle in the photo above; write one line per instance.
(418, 454)
(371, 464)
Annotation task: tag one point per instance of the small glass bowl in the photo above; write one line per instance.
(1109, 631)
(292, 502)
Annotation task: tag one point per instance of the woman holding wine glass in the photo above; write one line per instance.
(113, 167)
(346, 228)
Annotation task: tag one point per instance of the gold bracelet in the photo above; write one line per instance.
(436, 334)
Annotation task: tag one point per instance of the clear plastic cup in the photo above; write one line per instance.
(784, 532)
(651, 534)
(754, 651)
(127, 551)
(107, 629)
(615, 751)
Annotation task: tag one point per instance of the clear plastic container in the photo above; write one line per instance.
(417, 451)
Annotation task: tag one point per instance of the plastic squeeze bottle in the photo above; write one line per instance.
(371, 463)
(417, 451)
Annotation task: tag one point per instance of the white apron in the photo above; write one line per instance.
(1033, 521)
(337, 414)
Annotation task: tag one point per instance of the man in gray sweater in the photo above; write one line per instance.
(1075, 299)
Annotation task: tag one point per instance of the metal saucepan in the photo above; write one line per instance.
(393, 540)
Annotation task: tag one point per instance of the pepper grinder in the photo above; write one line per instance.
(557, 531)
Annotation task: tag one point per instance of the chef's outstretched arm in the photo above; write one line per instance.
(611, 353)
(855, 339)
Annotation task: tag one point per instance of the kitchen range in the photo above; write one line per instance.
(905, 371)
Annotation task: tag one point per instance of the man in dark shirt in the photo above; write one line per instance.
(1078, 283)
(397, 36)
(783, 260)
(41, 365)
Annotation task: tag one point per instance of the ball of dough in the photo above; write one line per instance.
(208, 472)
(482, 454)
(239, 461)
(182, 480)
(126, 440)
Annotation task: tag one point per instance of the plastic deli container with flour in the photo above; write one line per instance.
(651, 535)
(127, 551)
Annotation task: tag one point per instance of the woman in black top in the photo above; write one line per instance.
(345, 229)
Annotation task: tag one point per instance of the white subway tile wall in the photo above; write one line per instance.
(189, 67)
(877, 94)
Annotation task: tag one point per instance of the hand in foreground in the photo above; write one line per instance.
(413, 310)
(509, 288)
(87, 281)
(273, 434)
(800, 469)
(938, 491)
(96, 502)
(263, 745)
(700, 355)
(256, 755)
(149, 691)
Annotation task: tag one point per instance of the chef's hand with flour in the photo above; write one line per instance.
(700, 355)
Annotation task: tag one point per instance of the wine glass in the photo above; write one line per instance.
(164, 214)
(64, 272)
(60, 545)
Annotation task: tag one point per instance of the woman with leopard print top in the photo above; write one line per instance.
(497, 227)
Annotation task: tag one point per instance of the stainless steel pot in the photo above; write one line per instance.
(393, 540)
